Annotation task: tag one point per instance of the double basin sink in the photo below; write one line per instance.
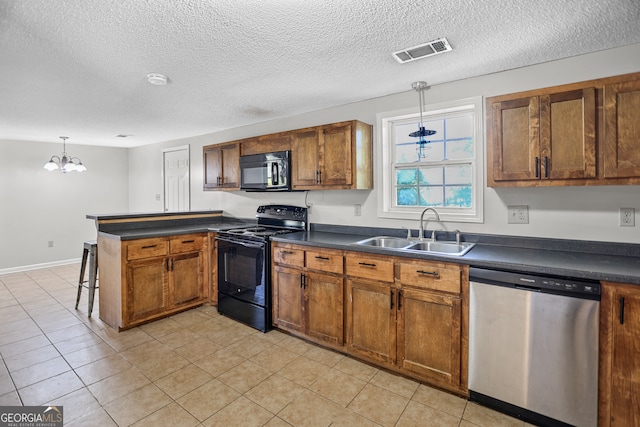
(423, 246)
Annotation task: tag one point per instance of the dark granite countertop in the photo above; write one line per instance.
(161, 231)
(543, 256)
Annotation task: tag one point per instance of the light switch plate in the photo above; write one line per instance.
(518, 214)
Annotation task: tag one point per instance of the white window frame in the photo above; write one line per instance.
(386, 208)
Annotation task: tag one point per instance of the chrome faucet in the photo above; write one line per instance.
(421, 232)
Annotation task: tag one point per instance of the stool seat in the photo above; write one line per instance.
(90, 252)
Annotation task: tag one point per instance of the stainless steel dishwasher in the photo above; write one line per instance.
(533, 346)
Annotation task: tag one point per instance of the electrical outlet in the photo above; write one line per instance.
(627, 217)
(157, 197)
(518, 214)
(357, 210)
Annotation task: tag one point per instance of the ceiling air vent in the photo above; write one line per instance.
(431, 48)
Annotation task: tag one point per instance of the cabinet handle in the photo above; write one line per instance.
(400, 296)
(286, 252)
(324, 258)
(303, 281)
(166, 264)
(622, 310)
(367, 264)
(546, 166)
(149, 247)
(435, 274)
(219, 181)
(320, 180)
(188, 241)
(537, 167)
(391, 299)
(317, 176)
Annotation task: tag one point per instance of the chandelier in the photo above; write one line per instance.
(66, 163)
(421, 132)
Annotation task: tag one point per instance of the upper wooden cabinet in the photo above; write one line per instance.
(584, 133)
(221, 166)
(335, 156)
(622, 129)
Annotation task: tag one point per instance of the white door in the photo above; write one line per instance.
(176, 179)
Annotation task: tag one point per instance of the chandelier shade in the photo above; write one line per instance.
(65, 163)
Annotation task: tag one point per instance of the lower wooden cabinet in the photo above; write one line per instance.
(145, 279)
(306, 300)
(407, 315)
(619, 376)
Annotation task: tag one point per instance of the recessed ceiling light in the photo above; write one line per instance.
(157, 79)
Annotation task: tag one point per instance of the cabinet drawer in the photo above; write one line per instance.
(147, 248)
(186, 243)
(325, 261)
(437, 276)
(369, 268)
(287, 256)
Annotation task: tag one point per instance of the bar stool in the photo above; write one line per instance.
(90, 251)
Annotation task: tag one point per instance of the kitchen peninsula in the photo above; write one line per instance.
(152, 265)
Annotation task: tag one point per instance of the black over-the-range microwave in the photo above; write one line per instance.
(266, 172)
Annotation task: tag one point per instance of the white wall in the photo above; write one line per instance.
(37, 206)
(569, 212)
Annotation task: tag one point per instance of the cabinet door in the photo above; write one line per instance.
(335, 164)
(371, 320)
(305, 157)
(568, 135)
(288, 298)
(620, 346)
(429, 335)
(186, 278)
(323, 307)
(230, 166)
(622, 130)
(147, 288)
(212, 165)
(515, 131)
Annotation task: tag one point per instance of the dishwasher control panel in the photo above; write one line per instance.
(562, 285)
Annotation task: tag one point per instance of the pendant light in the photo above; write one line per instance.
(420, 87)
(66, 163)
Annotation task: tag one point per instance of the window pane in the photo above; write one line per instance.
(458, 196)
(460, 127)
(460, 149)
(406, 176)
(407, 196)
(432, 152)
(431, 176)
(431, 196)
(458, 174)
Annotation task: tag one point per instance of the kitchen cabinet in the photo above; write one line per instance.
(221, 166)
(619, 371)
(585, 133)
(622, 129)
(413, 322)
(334, 156)
(308, 289)
(542, 137)
(151, 278)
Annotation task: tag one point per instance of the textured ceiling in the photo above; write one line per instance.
(78, 67)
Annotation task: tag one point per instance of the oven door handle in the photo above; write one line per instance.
(237, 242)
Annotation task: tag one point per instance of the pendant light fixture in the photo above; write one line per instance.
(421, 132)
(66, 163)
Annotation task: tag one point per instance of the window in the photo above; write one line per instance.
(445, 172)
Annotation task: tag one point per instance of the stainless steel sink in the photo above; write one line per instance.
(400, 244)
(386, 242)
(449, 248)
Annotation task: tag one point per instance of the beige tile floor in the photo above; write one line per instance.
(196, 368)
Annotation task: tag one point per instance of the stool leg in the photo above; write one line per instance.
(83, 267)
(93, 274)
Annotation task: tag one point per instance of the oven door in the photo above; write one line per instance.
(241, 270)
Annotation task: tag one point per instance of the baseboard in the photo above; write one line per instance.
(38, 266)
